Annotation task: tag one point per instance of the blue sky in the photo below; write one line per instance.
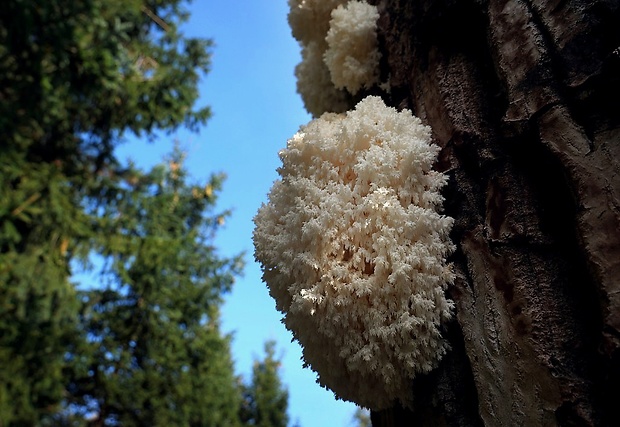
(251, 90)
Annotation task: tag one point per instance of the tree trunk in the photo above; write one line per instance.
(524, 98)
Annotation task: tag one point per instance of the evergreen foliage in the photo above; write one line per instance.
(152, 353)
(74, 76)
(265, 399)
(143, 346)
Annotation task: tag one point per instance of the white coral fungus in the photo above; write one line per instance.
(309, 22)
(353, 251)
(352, 56)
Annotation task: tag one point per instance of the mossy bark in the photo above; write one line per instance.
(523, 96)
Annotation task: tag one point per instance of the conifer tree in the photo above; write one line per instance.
(145, 347)
(265, 399)
(152, 353)
(74, 78)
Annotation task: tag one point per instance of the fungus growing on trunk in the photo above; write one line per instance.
(309, 22)
(352, 56)
(340, 54)
(353, 250)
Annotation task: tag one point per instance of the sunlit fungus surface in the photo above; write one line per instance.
(353, 250)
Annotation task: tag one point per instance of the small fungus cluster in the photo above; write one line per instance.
(339, 51)
(352, 55)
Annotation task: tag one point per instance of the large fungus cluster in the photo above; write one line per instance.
(353, 250)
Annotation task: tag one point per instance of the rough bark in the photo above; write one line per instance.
(524, 98)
